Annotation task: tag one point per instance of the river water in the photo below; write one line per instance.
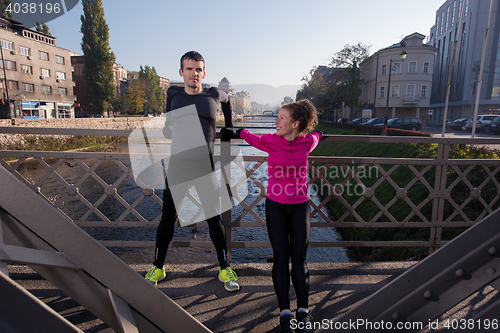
(148, 208)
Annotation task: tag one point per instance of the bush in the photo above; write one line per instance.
(402, 132)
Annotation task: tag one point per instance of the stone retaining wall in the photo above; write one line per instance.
(7, 141)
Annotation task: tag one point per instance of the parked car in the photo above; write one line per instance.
(408, 123)
(483, 123)
(459, 124)
(345, 120)
(375, 121)
(360, 120)
(495, 125)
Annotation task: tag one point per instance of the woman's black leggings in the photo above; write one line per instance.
(289, 226)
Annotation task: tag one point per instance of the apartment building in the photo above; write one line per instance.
(468, 54)
(38, 74)
(410, 79)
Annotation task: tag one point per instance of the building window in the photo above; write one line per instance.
(61, 75)
(453, 12)
(45, 72)
(426, 68)
(30, 110)
(62, 91)
(447, 17)
(410, 92)
(412, 67)
(43, 55)
(9, 65)
(14, 85)
(382, 92)
(26, 69)
(28, 87)
(7, 45)
(79, 70)
(396, 67)
(395, 91)
(423, 91)
(24, 51)
(442, 22)
(64, 110)
(437, 24)
(384, 69)
(59, 59)
(47, 89)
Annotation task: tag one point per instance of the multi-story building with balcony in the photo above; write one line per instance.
(467, 61)
(38, 74)
(410, 79)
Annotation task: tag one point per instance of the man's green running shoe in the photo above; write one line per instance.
(230, 279)
(155, 274)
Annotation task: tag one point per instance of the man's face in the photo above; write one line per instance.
(193, 73)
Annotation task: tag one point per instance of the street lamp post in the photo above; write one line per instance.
(402, 56)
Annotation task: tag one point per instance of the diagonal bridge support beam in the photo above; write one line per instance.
(44, 238)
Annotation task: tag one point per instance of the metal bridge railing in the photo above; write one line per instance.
(441, 193)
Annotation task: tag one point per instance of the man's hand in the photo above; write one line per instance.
(226, 133)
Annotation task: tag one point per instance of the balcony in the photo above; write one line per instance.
(410, 100)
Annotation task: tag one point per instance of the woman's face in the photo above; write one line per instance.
(286, 126)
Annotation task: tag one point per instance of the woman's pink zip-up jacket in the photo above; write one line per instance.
(287, 164)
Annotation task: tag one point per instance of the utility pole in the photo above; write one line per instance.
(7, 113)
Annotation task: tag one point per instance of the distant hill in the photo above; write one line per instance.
(265, 94)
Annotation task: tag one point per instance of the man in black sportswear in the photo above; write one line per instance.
(194, 163)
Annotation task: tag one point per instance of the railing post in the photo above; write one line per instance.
(439, 196)
(225, 154)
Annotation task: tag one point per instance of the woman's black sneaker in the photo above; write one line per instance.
(285, 325)
(305, 322)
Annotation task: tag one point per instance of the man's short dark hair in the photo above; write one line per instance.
(193, 55)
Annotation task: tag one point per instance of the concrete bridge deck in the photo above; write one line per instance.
(334, 289)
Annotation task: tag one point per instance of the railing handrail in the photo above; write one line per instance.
(328, 137)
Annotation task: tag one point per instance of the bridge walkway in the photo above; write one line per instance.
(335, 288)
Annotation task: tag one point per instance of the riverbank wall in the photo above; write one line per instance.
(18, 141)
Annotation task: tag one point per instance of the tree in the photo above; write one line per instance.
(350, 55)
(4, 6)
(43, 28)
(315, 87)
(287, 99)
(346, 76)
(99, 58)
(152, 89)
(135, 97)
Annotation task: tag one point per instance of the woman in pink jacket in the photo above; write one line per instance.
(287, 209)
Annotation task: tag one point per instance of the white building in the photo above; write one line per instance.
(410, 80)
